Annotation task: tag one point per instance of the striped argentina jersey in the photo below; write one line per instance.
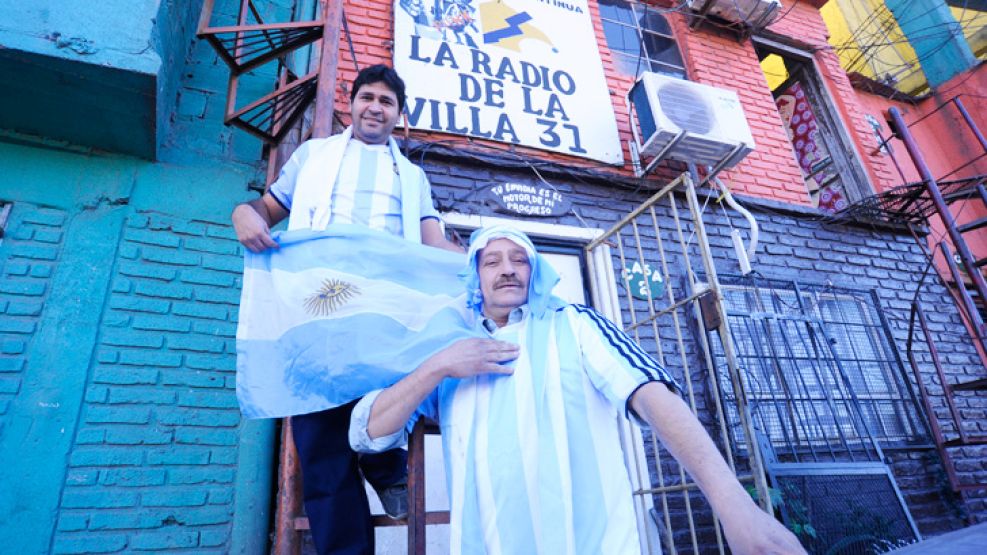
(533, 460)
(367, 190)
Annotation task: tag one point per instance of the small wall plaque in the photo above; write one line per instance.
(528, 200)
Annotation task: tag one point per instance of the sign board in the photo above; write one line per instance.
(528, 200)
(640, 278)
(524, 72)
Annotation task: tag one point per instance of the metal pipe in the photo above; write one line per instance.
(942, 380)
(971, 309)
(940, 203)
(970, 123)
(325, 96)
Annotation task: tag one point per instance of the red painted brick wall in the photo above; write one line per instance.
(712, 57)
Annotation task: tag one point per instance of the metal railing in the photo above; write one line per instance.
(666, 234)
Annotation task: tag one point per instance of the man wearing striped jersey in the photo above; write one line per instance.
(529, 420)
(356, 177)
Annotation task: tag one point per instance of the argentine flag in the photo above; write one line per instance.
(335, 314)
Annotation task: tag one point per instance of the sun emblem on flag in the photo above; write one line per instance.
(333, 294)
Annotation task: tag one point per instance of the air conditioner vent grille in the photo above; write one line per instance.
(685, 108)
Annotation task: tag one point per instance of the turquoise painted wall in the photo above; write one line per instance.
(119, 283)
(942, 49)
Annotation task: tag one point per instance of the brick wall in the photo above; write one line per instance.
(32, 242)
(712, 57)
(154, 459)
(798, 245)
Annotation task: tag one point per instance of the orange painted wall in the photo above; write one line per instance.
(946, 143)
(712, 57)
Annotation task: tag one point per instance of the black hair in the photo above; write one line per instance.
(380, 74)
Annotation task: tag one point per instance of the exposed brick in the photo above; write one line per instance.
(154, 306)
(48, 236)
(131, 477)
(91, 498)
(214, 246)
(22, 287)
(169, 539)
(137, 435)
(147, 396)
(215, 295)
(198, 417)
(24, 308)
(138, 269)
(195, 378)
(163, 290)
(89, 543)
(80, 477)
(232, 265)
(12, 346)
(170, 257)
(148, 358)
(195, 344)
(126, 338)
(222, 496)
(199, 310)
(205, 436)
(223, 455)
(151, 238)
(174, 497)
(178, 455)
(208, 362)
(50, 218)
(17, 269)
(224, 329)
(11, 364)
(213, 538)
(90, 436)
(206, 516)
(125, 376)
(72, 522)
(192, 476)
(121, 415)
(34, 252)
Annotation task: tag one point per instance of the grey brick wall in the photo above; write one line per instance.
(795, 245)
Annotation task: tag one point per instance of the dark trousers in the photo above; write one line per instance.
(335, 499)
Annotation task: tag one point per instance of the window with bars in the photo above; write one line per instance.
(640, 39)
(821, 369)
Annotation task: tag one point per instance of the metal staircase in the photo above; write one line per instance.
(305, 54)
(936, 201)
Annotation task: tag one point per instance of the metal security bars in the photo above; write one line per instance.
(826, 389)
(813, 357)
(668, 295)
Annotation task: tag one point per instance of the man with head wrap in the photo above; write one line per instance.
(528, 420)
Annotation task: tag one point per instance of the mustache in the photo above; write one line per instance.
(506, 281)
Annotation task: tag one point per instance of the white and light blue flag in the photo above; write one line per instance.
(332, 315)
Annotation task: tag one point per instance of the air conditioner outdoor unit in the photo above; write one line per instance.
(755, 13)
(688, 121)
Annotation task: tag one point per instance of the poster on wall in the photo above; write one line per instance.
(525, 72)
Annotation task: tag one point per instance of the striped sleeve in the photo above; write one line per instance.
(283, 189)
(616, 365)
(427, 204)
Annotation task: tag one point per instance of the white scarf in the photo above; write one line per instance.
(311, 205)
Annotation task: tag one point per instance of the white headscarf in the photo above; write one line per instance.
(540, 284)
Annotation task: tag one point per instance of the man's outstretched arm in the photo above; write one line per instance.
(468, 357)
(748, 529)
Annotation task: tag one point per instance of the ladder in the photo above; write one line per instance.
(974, 192)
